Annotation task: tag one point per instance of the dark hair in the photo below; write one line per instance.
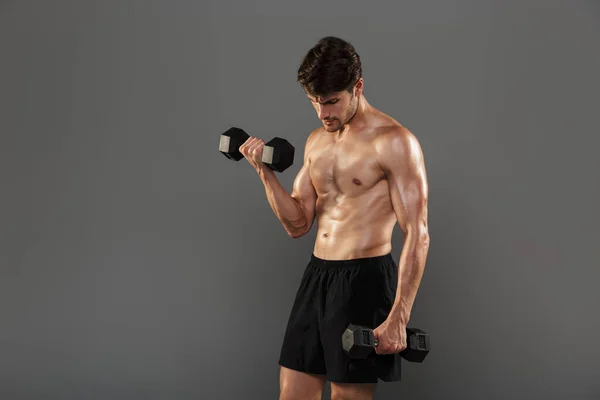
(331, 65)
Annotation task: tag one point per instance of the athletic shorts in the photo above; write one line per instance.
(332, 295)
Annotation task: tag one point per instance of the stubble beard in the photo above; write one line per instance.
(349, 114)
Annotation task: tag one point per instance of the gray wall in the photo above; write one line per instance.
(138, 263)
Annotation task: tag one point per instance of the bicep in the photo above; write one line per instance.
(303, 190)
(304, 193)
(404, 165)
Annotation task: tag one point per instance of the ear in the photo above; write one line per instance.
(359, 87)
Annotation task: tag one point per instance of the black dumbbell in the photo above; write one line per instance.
(358, 342)
(278, 153)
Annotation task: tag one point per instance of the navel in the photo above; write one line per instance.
(326, 234)
(356, 181)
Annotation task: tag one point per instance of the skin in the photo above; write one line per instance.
(362, 173)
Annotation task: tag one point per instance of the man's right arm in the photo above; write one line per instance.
(296, 211)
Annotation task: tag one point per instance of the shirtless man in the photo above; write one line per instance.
(363, 172)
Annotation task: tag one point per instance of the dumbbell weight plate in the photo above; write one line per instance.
(230, 142)
(278, 154)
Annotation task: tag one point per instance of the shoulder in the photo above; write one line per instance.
(395, 143)
(311, 141)
(314, 136)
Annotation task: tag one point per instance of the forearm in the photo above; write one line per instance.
(410, 271)
(286, 208)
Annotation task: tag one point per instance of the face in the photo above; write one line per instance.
(336, 109)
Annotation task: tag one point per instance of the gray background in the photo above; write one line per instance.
(139, 263)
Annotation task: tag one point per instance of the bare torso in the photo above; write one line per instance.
(354, 211)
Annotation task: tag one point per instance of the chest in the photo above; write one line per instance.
(345, 168)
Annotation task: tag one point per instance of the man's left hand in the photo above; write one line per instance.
(391, 337)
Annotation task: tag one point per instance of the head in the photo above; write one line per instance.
(331, 76)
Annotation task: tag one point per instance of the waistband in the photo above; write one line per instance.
(355, 262)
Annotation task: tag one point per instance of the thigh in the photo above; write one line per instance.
(302, 349)
(352, 391)
(300, 385)
(361, 296)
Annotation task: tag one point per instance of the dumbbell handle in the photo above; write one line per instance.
(376, 342)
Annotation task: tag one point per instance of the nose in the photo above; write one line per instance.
(322, 112)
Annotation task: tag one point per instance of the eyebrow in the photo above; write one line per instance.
(325, 102)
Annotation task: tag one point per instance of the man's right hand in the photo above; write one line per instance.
(252, 150)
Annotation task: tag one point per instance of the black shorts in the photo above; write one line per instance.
(332, 295)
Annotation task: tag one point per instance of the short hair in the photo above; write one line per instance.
(331, 65)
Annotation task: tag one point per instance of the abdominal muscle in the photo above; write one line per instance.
(353, 227)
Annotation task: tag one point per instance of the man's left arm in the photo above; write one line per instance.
(401, 158)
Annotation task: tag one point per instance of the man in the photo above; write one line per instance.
(363, 172)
